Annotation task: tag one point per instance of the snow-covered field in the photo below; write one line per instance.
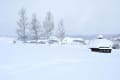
(56, 62)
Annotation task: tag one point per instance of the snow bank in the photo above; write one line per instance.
(70, 40)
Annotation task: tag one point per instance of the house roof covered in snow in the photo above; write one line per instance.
(100, 42)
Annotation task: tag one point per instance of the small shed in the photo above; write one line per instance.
(101, 45)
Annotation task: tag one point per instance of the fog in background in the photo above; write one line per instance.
(81, 17)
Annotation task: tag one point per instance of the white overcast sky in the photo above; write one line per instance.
(81, 17)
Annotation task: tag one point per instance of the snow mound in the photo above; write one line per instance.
(69, 40)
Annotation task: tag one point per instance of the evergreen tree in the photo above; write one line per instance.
(48, 25)
(22, 23)
(35, 28)
(61, 31)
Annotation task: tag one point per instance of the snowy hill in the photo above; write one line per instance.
(56, 62)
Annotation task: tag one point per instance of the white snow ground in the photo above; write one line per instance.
(55, 62)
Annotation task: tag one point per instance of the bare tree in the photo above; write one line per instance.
(35, 28)
(61, 31)
(48, 25)
(22, 23)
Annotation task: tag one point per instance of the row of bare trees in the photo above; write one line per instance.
(35, 30)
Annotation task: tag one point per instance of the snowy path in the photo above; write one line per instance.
(55, 62)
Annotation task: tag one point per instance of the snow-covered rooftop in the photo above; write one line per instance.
(100, 42)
